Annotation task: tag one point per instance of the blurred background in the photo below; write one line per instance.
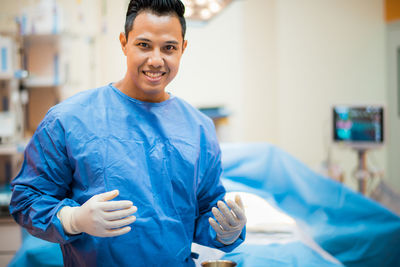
(264, 70)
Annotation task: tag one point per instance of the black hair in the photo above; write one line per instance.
(158, 7)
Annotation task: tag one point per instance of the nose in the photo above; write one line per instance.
(155, 60)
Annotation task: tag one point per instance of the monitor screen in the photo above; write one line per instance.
(358, 124)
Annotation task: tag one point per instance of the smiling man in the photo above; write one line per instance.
(153, 50)
(128, 174)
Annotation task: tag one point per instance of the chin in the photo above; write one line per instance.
(153, 92)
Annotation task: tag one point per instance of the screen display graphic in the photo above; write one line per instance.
(358, 124)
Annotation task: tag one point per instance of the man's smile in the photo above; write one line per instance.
(154, 76)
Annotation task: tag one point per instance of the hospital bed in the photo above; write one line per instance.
(296, 217)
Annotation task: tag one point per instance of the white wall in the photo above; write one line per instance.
(393, 43)
(231, 61)
(260, 72)
(299, 58)
(329, 52)
(110, 57)
(211, 71)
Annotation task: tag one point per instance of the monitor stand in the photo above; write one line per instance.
(362, 172)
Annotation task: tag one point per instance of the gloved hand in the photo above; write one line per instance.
(230, 221)
(99, 216)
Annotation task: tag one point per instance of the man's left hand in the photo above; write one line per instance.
(230, 222)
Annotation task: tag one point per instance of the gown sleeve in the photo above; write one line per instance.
(209, 192)
(42, 186)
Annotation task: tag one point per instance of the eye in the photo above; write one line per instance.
(170, 47)
(144, 45)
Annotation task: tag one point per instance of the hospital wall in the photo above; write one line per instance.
(299, 59)
(329, 52)
(393, 107)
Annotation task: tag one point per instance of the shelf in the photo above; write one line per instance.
(6, 77)
(16, 75)
(217, 112)
(53, 38)
(41, 83)
(12, 149)
(41, 38)
(5, 198)
(5, 195)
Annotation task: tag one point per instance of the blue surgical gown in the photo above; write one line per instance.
(164, 157)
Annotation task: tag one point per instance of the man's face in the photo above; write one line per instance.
(153, 52)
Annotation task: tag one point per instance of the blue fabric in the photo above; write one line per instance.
(164, 157)
(35, 252)
(277, 255)
(354, 229)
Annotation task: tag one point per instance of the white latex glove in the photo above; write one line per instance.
(99, 216)
(230, 221)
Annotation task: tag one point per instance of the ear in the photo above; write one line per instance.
(184, 46)
(123, 41)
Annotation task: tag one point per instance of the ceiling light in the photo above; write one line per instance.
(201, 2)
(188, 11)
(214, 7)
(205, 13)
(204, 9)
(187, 2)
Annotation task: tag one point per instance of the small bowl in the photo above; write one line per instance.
(218, 263)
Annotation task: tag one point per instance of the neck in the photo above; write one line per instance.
(127, 87)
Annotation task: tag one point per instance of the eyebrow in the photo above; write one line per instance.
(142, 39)
(147, 40)
(172, 42)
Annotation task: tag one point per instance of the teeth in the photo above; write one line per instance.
(153, 74)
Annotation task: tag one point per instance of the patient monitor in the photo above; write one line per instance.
(361, 128)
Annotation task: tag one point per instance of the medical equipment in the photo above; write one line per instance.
(6, 60)
(361, 127)
(8, 127)
(11, 122)
(218, 263)
(10, 110)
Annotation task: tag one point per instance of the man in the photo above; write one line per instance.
(103, 150)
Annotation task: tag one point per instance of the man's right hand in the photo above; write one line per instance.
(99, 216)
